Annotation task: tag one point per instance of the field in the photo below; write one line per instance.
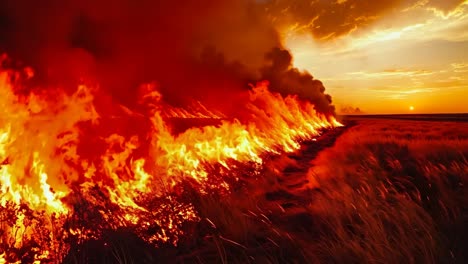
(375, 191)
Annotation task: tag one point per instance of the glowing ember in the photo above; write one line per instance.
(57, 178)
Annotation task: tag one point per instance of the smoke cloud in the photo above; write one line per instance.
(194, 50)
(123, 43)
(203, 50)
(286, 79)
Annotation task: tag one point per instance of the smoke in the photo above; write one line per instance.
(349, 110)
(204, 50)
(286, 79)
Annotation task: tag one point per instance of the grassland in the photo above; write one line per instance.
(379, 191)
(394, 192)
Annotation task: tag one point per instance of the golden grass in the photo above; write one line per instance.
(387, 191)
(394, 192)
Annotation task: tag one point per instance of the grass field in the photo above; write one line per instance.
(377, 191)
(394, 192)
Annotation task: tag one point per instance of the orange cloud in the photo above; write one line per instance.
(444, 6)
(326, 20)
(391, 73)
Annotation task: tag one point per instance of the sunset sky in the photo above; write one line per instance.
(381, 56)
(414, 56)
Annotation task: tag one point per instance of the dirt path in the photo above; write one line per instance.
(292, 192)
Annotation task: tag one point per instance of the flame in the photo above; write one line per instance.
(195, 110)
(134, 181)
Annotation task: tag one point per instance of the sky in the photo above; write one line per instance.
(378, 56)
(412, 58)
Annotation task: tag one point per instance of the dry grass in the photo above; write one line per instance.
(393, 192)
(387, 191)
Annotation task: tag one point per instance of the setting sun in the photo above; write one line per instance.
(411, 108)
(357, 64)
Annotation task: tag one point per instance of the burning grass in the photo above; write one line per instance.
(72, 173)
(77, 187)
(385, 192)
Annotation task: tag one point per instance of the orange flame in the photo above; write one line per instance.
(41, 166)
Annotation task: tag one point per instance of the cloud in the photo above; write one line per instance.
(327, 20)
(444, 8)
(391, 73)
(398, 93)
(460, 67)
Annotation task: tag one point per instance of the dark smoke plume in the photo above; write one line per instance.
(203, 50)
(288, 80)
(194, 49)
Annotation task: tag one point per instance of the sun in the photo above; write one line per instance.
(411, 108)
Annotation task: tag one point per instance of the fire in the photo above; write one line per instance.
(126, 181)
